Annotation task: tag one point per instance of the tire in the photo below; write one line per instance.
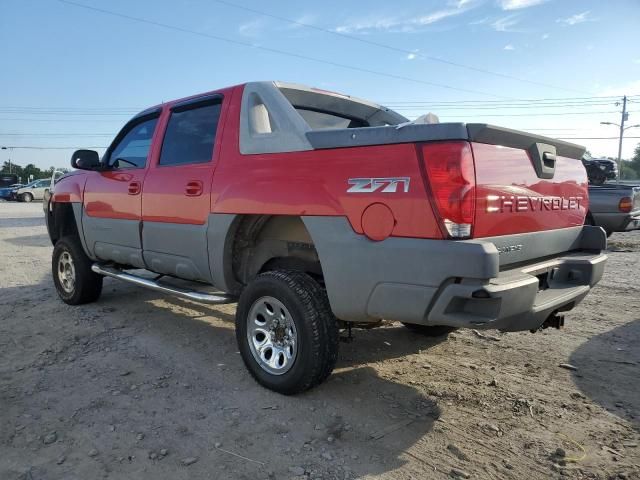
(75, 282)
(26, 197)
(430, 330)
(299, 330)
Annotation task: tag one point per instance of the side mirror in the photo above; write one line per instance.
(85, 160)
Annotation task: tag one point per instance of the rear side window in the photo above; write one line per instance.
(190, 135)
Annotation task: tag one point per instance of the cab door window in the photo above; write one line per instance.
(133, 148)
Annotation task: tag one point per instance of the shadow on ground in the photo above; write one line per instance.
(22, 222)
(136, 372)
(609, 370)
(30, 241)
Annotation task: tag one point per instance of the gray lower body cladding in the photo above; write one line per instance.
(457, 283)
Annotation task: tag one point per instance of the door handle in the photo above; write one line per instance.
(193, 188)
(134, 188)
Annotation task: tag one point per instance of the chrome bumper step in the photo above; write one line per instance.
(212, 298)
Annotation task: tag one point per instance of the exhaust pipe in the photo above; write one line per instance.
(212, 298)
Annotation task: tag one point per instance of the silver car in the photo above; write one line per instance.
(34, 190)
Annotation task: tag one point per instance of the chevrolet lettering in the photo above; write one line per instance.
(521, 203)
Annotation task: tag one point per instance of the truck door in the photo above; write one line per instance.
(177, 191)
(112, 198)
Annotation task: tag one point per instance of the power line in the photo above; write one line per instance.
(24, 147)
(393, 48)
(526, 100)
(275, 50)
(57, 134)
(28, 147)
(533, 114)
(56, 120)
(506, 107)
(591, 138)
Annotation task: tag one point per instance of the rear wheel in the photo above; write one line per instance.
(75, 282)
(286, 332)
(26, 197)
(430, 330)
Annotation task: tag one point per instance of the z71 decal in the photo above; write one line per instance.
(382, 185)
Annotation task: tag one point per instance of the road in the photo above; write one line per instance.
(142, 385)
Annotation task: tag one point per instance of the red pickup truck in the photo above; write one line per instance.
(317, 211)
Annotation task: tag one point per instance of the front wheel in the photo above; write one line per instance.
(286, 332)
(75, 282)
(26, 197)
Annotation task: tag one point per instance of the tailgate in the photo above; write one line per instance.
(526, 183)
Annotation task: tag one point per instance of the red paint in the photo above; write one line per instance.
(107, 194)
(315, 183)
(70, 190)
(508, 172)
(378, 222)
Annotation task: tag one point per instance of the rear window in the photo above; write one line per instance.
(320, 120)
(190, 135)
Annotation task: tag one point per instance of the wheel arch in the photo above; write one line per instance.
(64, 219)
(253, 244)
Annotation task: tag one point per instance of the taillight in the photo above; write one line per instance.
(452, 178)
(625, 205)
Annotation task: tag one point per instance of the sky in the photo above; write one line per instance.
(71, 76)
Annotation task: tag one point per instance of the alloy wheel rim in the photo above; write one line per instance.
(272, 335)
(66, 272)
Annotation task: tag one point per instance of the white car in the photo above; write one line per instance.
(34, 190)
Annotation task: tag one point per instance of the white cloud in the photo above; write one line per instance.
(509, 47)
(505, 24)
(405, 24)
(519, 4)
(545, 36)
(411, 56)
(576, 19)
(252, 28)
(637, 61)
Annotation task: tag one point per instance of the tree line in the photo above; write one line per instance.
(631, 168)
(24, 173)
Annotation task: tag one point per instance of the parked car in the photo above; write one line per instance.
(33, 191)
(599, 170)
(6, 193)
(616, 208)
(8, 179)
(317, 211)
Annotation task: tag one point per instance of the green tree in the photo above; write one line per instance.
(634, 164)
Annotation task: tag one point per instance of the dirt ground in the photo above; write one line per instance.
(142, 385)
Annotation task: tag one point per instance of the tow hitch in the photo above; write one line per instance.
(554, 320)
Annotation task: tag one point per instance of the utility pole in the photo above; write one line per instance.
(625, 115)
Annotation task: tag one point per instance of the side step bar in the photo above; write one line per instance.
(213, 298)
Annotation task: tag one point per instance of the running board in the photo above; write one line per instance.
(215, 298)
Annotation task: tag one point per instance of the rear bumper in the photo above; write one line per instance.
(521, 298)
(617, 221)
(633, 223)
(457, 283)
